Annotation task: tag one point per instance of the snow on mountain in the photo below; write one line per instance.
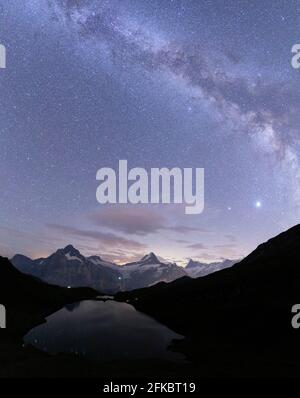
(96, 260)
(148, 259)
(148, 271)
(68, 267)
(196, 269)
(70, 257)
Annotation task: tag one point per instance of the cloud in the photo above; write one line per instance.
(109, 240)
(122, 256)
(231, 238)
(214, 252)
(225, 246)
(227, 250)
(197, 246)
(139, 221)
(206, 257)
(184, 229)
(117, 255)
(130, 220)
(181, 241)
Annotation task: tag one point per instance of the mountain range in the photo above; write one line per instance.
(195, 269)
(235, 322)
(28, 301)
(68, 267)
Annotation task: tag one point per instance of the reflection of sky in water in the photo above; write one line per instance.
(103, 330)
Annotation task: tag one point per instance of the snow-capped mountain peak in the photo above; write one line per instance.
(150, 259)
(68, 267)
(195, 269)
(70, 250)
(193, 264)
(69, 253)
(95, 259)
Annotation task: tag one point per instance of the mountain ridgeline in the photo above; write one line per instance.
(237, 319)
(29, 299)
(68, 267)
(236, 322)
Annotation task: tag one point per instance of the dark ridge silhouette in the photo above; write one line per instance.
(27, 298)
(28, 301)
(239, 318)
(236, 322)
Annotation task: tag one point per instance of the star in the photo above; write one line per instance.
(159, 94)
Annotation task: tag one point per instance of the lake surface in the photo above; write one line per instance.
(104, 331)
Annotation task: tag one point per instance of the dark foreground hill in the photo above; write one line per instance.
(28, 302)
(238, 320)
(29, 299)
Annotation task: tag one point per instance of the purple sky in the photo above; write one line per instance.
(161, 84)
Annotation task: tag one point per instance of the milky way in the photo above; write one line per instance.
(173, 83)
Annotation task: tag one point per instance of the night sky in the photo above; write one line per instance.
(160, 83)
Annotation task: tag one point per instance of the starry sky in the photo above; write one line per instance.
(160, 83)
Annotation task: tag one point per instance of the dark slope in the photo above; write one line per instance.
(26, 297)
(28, 301)
(237, 315)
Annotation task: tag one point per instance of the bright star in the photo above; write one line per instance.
(258, 204)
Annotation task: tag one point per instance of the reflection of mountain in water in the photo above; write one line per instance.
(239, 318)
(104, 331)
(236, 322)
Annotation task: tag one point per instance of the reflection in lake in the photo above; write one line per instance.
(104, 331)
